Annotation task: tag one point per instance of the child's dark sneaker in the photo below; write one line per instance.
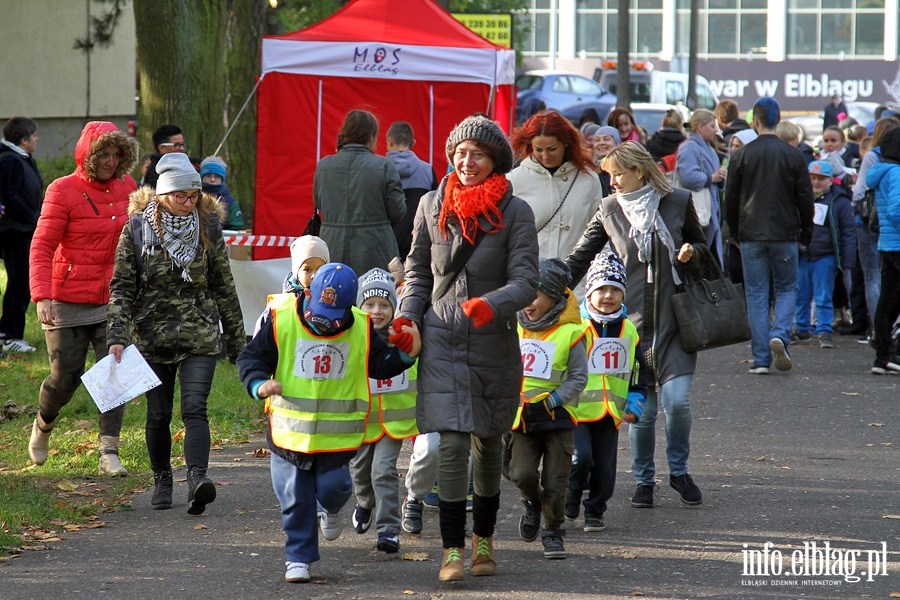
(412, 515)
(573, 504)
(643, 496)
(433, 498)
(388, 543)
(361, 519)
(825, 340)
(686, 488)
(530, 523)
(554, 548)
(594, 523)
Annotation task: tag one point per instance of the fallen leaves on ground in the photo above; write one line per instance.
(629, 555)
(876, 424)
(200, 526)
(178, 435)
(416, 556)
(891, 517)
(259, 453)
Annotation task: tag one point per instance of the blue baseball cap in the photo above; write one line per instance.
(331, 295)
(821, 167)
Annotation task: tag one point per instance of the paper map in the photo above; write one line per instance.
(113, 384)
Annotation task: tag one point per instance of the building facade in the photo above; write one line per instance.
(799, 51)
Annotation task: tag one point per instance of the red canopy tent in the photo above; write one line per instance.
(403, 60)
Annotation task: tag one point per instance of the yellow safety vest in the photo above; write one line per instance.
(606, 393)
(325, 384)
(393, 411)
(564, 337)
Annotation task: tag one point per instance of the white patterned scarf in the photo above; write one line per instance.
(641, 208)
(179, 236)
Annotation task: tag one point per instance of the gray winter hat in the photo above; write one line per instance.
(489, 137)
(554, 277)
(377, 282)
(176, 173)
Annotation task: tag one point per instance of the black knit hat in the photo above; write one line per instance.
(489, 137)
(890, 145)
(554, 277)
(606, 269)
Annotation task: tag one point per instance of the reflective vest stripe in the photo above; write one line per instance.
(318, 415)
(564, 336)
(607, 394)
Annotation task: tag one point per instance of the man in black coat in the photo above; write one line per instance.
(832, 110)
(21, 196)
(769, 208)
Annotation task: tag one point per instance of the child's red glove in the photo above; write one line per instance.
(401, 339)
(479, 311)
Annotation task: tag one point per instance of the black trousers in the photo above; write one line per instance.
(14, 249)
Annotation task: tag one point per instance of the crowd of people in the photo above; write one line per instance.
(508, 317)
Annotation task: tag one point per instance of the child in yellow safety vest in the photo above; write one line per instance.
(311, 359)
(392, 419)
(616, 390)
(554, 363)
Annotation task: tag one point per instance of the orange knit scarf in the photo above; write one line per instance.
(469, 202)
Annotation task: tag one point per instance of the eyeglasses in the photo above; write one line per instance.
(176, 145)
(183, 198)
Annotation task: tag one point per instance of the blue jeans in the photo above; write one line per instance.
(676, 404)
(816, 282)
(762, 262)
(870, 263)
(297, 491)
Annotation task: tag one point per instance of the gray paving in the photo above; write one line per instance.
(786, 459)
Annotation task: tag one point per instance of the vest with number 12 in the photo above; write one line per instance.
(325, 384)
(607, 393)
(534, 389)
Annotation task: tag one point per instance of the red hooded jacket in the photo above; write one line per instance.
(74, 245)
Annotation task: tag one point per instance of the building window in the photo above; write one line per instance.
(597, 22)
(728, 28)
(835, 28)
(539, 37)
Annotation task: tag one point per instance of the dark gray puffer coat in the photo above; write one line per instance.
(470, 378)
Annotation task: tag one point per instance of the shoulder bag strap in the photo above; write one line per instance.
(563, 201)
(461, 257)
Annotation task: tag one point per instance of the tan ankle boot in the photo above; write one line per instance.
(109, 457)
(483, 563)
(452, 565)
(39, 445)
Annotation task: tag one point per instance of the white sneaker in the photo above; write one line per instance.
(331, 525)
(17, 346)
(297, 572)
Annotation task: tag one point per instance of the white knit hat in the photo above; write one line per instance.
(176, 174)
(306, 247)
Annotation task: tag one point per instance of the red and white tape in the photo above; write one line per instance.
(270, 241)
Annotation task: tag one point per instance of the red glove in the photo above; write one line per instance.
(479, 311)
(401, 339)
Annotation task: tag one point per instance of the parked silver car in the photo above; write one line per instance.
(811, 125)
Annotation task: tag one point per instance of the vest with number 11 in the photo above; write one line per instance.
(325, 384)
(606, 392)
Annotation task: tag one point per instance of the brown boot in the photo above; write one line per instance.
(483, 556)
(452, 565)
(39, 444)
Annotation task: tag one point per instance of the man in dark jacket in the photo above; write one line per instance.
(834, 108)
(21, 196)
(166, 139)
(769, 208)
(416, 176)
(729, 120)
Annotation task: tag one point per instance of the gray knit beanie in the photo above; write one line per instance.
(489, 137)
(176, 174)
(554, 277)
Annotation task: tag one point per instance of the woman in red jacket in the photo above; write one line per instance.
(72, 255)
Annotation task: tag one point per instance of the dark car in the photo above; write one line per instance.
(577, 98)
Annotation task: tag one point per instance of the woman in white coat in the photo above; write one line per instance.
(557, 179)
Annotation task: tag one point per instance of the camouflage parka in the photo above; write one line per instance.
(168, 318)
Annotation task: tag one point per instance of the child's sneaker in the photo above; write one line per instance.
(297, 572)
(388, 543)
(530, 523)
(573, 504)
(433, 498)
(331, 525)
(412, 515)
(643, 496)
(554, 548)
(594, 523)
(825, 340)
(361, 519)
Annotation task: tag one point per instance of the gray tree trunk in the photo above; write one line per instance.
(623, 77)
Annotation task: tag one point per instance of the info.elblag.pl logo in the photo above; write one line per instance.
(815, 564)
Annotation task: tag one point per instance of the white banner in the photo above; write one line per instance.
(254, 281)
(380, 60)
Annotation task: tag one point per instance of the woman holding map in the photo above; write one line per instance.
(170, 287)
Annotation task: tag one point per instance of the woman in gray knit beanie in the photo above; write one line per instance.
(470, 369)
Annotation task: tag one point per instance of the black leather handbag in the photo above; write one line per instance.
(711, 313)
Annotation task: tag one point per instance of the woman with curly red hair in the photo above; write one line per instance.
(557, 179)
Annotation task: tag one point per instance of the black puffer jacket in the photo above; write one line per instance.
(21, 191)
(665, 142)
(768, 196)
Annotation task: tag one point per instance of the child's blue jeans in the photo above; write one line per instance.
(816, 283)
